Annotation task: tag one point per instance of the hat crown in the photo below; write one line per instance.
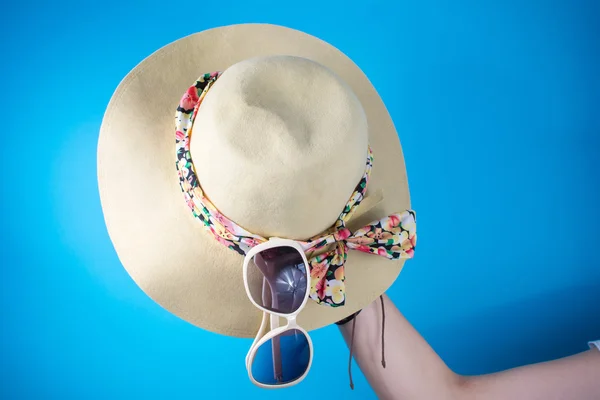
(279, 144)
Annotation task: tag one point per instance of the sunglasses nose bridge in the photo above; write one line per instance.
(291, 321)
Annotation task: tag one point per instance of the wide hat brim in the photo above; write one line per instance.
(162, 246)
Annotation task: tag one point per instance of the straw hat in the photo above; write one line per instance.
(278, 145)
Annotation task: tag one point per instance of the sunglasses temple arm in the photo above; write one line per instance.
(261, 330)
(275, 342)
(269, 297)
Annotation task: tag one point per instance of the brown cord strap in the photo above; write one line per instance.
(353, 319)
(350, 361)
(382, 333)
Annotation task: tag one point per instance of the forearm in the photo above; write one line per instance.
(413, 370)
(574, 377)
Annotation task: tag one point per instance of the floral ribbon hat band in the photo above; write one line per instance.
(393, 237)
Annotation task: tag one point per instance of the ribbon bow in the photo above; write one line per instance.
(393, 237)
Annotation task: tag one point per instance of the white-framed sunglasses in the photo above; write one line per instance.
(280, 356)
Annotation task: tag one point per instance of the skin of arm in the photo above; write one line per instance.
(415, 371)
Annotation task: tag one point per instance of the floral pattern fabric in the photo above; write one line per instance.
(393, 237)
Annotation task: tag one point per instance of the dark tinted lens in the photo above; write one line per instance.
(282, 359)
(283, 282)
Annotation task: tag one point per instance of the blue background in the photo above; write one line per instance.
(496, 105)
